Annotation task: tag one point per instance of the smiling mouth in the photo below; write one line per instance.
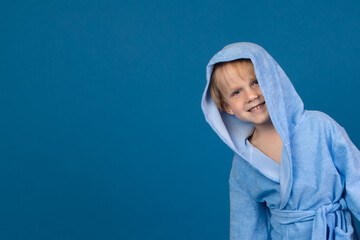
(253, 109)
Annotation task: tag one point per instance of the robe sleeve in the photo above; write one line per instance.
(248, 218)
(347, 161)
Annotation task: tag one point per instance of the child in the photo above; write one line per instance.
(295, 173)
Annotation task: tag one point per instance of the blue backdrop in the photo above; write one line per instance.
(102, 135)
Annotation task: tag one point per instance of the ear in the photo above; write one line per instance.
(227, 109)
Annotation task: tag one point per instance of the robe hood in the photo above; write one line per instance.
(284, 105)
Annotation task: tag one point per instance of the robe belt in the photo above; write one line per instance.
(319, 216)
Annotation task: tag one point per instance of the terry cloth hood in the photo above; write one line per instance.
(284, 105)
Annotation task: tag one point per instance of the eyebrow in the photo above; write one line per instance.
(232, 90)
(237, 88)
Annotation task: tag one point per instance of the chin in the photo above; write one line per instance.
(263, 121)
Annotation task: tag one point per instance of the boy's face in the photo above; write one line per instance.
(243, 97)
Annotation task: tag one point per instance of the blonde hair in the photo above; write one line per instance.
(243, 68)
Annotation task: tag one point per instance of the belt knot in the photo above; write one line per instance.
(318, 216)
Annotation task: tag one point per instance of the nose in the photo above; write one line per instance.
(252, 95)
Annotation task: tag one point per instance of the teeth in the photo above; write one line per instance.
(256, 108)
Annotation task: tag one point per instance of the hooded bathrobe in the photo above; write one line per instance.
(311, 193)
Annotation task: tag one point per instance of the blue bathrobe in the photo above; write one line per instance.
(311, 193)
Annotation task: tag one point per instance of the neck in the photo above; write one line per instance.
(264, 130)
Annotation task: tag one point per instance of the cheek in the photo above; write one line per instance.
(258, 89)
(240, 105)
(240, 110)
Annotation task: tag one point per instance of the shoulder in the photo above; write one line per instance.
(313, 115)
(320, 120)
(318, 125)
(322, 126)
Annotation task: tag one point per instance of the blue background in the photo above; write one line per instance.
(102, 135)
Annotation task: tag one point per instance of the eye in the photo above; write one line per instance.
(255, 82)
(234, 93)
